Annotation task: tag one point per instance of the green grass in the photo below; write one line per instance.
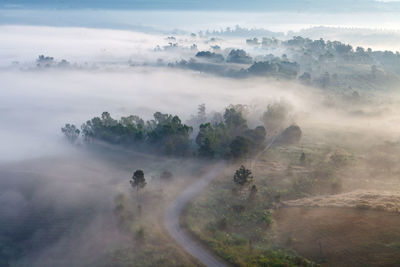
(239, 227)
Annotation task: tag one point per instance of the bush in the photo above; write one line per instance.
(267, 218)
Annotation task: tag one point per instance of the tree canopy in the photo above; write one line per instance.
(71, 132)
(165, 133)
(138, 180)
(223, 136)
(230, 138)
(242, 176)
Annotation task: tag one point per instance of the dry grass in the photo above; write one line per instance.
(340, 236)
(374, 200)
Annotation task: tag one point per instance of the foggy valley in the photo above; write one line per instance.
(175, 134)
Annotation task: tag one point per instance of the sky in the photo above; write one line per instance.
(225, 5)
(166, 15)
(166, 21)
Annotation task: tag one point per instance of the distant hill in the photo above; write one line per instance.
(226, 5)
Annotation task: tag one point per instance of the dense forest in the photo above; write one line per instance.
(226, 136)
(320, 63)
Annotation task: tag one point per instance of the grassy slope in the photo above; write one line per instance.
(249, 231)
(237, 227)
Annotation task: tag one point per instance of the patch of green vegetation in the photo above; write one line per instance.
(235, 222)
(236, 219)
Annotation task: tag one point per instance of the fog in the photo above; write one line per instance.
(161, 20)
(35, 104)
(65, 192)
(52, 98)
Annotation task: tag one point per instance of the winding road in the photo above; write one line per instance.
(172, 219)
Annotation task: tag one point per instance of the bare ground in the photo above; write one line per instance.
(353, 229)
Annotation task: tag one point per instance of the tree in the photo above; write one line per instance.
(44, 61)
(71, 132)
(288, 69)
(360, 50)
(168, 134)
(342, 48)
(256, 138)
(289, 136)
(211, 56)
(206, 140)
(240, 147)
(138, 181)
(262, 68)
(253, 41)
(242, 176)
(234, 121)
(275, 117)
(239, 56)
(230, 137)
(201, 114)
(200, 118)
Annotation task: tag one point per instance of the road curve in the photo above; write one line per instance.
(172, 215)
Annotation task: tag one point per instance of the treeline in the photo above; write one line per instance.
(312, 55)
(326, 49)
(165, 133)
(216, 63)
(321, 63)
(228, 138)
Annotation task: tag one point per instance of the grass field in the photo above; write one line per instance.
(340, 236)
(260, 229)
(236, 228)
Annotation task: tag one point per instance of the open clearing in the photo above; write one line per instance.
(336, 236)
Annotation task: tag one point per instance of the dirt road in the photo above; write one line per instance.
(172, 219)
